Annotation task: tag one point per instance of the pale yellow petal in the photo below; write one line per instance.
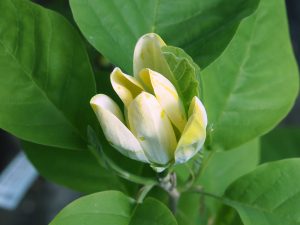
(104, 102)
(148, 54)
(152, 128)
(127, 87)
(166, 95)
(194, 134)
(197, 106)
(117, 134)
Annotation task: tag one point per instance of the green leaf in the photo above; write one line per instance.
(280, 143)
(269, 195)
(202, 28)
(222, 168)
(219, 169)
(191, 210)
(227, 216)
(46, 78)
(78, 170)
(185, 72)
(114, 208)
(254, 83)
(152, 212)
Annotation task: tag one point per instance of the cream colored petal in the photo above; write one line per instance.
(147, 54)
(127, 87)
(194, 134)
(196, 106)
(152, 128)
(117, 134)
(166, 95)
(104, 102)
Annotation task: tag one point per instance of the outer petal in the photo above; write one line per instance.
(147, 54)
(153, 129)
(194, 134)
(196, 107)
(166, 95)
(118, 135)
(125, 86)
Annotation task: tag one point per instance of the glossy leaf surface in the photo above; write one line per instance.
(46, 79)
(269, 195)
(254, 83)
(114, 208)
(113, 27)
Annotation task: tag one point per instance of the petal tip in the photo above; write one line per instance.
(97, 99)
(196, 106)
(153, 37)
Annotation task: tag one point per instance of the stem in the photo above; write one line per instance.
(96, 149)
(143, 192)
(173, 201)
(199, 190)
(169, 184)
(109, 164)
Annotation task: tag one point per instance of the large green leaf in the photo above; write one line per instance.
(219, 169)
(114, 208)
(269, 195)
(222, 168)
(202, 28)
(254, 83)
(46, 79)
(78, 170)
(280, 143)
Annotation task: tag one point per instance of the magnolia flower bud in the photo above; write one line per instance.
(156, 128)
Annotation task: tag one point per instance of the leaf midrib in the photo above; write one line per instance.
(155, 13)
(238, 74)
(44, 94)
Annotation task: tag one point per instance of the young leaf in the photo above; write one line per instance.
(114, 208)
(196, 26)
(254, 83)
(269, 195)
(186, 73)
(46, 78)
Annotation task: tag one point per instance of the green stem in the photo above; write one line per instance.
(143, 193)
(199, 190)
(96, 149)
(111, 165)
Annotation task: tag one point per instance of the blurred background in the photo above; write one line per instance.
(44, 199)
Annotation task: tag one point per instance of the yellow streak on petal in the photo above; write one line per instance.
(125, 86)
(117, 134)
(153, 130)
(166, 95)
(194, 134)
(196, 107)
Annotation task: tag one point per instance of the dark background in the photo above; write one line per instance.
(44, 200)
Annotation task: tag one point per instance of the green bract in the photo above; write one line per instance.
(156, 128)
